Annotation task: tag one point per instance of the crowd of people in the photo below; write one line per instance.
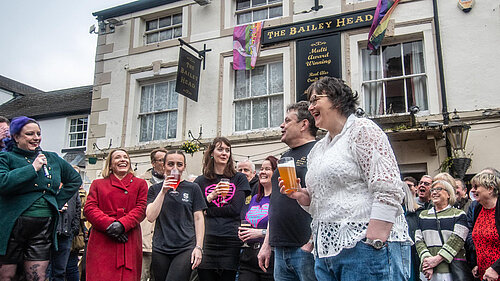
(352, 216)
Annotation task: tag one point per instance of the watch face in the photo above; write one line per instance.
(378, 244)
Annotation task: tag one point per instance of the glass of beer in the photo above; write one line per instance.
(246, 224)
(224, 186)
(286, 167)
(174, 175)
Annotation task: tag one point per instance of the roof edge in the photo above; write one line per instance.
(129, 8)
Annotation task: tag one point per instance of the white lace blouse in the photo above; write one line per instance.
(353, 178)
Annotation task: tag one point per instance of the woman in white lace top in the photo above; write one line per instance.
(354, 193)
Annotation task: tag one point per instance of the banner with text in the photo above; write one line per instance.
(188, 75)
(316, 57)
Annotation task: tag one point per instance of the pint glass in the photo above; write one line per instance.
(286, 167)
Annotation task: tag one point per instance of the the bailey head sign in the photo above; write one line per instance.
(318, 26)
(188, 75)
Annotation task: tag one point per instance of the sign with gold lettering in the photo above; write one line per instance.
(188, 75)
(316, 58)
(318, 26)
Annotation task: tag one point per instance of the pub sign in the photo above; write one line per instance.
(188, 75)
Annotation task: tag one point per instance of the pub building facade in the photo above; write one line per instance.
(422, 71)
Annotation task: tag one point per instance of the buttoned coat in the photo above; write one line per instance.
(111, 200)
(21, 186)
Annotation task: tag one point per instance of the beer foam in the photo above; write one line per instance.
(288, 164)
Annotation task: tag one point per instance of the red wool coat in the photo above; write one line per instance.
(112, 200)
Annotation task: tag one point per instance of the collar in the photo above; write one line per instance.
(432, 210)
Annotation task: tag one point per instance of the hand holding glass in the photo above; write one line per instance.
(286, 167)
(223, 186)
(244, 225)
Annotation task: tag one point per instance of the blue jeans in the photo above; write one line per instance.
(363, 262)
(292, 263)
(400, 258)
(72, 273)
(59, 258)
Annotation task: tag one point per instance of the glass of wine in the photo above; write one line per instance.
(174, 175)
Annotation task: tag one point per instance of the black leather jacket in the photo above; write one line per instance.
(69, 219)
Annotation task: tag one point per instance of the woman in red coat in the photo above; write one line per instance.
(115, 207)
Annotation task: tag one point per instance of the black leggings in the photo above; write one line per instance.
(216, 274)
(179, 263)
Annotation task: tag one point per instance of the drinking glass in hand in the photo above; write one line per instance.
(286, 167)
(244, 223)
(174, 175)
(224, 186)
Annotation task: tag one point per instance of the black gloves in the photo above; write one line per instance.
(117, 231)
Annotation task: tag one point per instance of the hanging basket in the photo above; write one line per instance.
(190, 147)
(459, 166)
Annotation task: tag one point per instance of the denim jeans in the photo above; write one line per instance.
(400, 258)
(72, 273)
(59, 258)
(292, 263)
(363, 262)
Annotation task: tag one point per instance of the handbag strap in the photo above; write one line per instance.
(439, 226)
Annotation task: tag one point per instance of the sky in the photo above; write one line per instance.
(46, 44)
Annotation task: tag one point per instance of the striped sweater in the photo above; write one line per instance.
(453, 224)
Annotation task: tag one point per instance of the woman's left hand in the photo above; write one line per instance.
(490, 274)
(428, 273)
(196, 257)
(245, 233)
(431, 262)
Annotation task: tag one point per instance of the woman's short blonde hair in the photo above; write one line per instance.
(447, 186)
(106, 171)
(488, 180)
(446, 177)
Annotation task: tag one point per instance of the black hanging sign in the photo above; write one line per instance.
(320, 26)
(316, 57)
(188, 75)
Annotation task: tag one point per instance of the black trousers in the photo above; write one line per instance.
(175, 267)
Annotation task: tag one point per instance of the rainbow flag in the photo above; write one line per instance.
(246, 45)
(380, 22)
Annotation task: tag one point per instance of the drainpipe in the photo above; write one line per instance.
(444, 110)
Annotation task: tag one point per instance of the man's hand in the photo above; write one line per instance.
(264, 256)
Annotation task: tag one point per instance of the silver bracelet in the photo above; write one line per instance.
(199, 248)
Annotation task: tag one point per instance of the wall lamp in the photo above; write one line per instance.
(106, 26)
(457, 133)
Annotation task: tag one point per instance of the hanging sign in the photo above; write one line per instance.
(316, 58)
(188, 75)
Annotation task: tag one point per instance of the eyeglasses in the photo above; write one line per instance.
(314, 99)
(424, 183)
(436, 189)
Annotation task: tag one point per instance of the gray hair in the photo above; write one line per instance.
(447, 186)
(247, 161)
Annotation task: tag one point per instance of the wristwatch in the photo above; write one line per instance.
(377, 243)
(264, 231)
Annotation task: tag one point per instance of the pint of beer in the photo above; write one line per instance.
(224, 186)
(286, 167)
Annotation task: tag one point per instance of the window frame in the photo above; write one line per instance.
(251, 9)
(154, 113)
(404, 77)
(159, 29)
(69, 133)
(268, 97)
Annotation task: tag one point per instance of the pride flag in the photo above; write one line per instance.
(246, 45)
(380, 22)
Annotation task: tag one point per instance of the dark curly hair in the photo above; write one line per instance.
(337, 91)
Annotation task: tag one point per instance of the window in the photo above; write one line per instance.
(78, 132)
(248, 11)
(258, 97)
(158, 111)
(164, 28)
(394, 79)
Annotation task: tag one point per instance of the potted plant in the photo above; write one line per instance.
(190, 147)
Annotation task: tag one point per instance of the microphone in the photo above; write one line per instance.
(44, 166)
